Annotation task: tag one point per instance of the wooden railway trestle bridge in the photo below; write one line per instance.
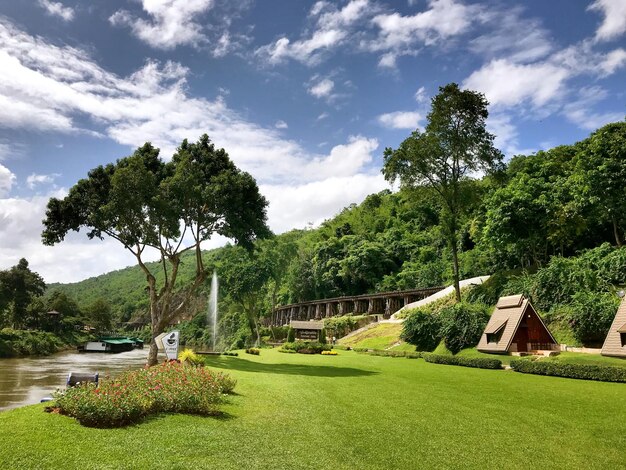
(382, 303)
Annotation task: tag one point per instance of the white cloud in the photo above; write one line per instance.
(280, 124)
(57, 9)
(7, 178)
(332, 28)
(401, 35)
(34, 179)
(322, 116)
(290, 205)
(579, 111)
(420, 95)
(506, 33)
(322, 89)
(173, 23)
(508, 84)
(614, 23)
(613, 61)
(401, 120)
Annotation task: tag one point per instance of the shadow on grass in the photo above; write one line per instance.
(235, 363)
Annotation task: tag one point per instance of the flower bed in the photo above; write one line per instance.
(168, 387)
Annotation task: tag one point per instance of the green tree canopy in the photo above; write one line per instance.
(171, 207)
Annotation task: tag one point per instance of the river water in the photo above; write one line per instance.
(25, 381)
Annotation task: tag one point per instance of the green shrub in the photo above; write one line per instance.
(230, 353)
(253, 351)
(342, 325)
(462, 325)
(306, 347)
(591, 315)
(479, 362)
(407, 354)
(291, 335)
(17, 343)
(322, 336)
(169, 387)
(573, 371)
(422, 329)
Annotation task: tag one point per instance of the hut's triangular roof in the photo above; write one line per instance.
(504, 322)
(613, 343)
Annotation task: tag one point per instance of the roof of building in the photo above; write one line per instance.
(613, 343)
(306, 325)
(505, 320)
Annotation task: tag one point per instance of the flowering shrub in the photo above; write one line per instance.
(332, 352)
(169, 387)
(190, 357)
(253, 351)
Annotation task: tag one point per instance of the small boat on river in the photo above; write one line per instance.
(112, 344)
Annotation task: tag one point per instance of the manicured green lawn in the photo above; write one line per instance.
(352, 411)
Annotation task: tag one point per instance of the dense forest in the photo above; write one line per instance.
(550, 224)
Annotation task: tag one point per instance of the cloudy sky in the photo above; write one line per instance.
(303, 95)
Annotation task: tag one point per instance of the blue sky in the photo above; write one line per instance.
(303, 95)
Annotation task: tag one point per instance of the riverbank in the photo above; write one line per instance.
(24, 343)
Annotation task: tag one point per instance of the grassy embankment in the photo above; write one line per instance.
(345, 412)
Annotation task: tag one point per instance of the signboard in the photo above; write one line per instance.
(170, 344)
(308, 335)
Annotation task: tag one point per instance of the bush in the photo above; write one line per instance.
(190, 357)
(253, 351)
(407, 354)
(591, 315)
(169, 387)
(422, 329)
(322, 336)
(230, 353)
(479, 362)
(462, 325)
(329, 353)
(291, 335)
(16, 343)
(306, 347)
(344, 324)
(573, 371)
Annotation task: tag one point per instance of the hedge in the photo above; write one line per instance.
(572, 371)
(479, 362)
(407, 354)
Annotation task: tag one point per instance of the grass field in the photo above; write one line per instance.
(381, 336)
(351, 411)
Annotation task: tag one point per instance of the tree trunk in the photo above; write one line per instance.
(455, 259)
(153, 354)
(616, 231)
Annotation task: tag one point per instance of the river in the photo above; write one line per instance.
(27, 380)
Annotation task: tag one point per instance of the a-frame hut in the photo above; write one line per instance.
(515, 326)
(615, 342)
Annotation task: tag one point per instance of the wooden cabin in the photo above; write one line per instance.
(615, 342)
(515, 327)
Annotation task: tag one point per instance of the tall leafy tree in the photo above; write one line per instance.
(18, 287)
(454, 145)
(601, 176)
(145, 203)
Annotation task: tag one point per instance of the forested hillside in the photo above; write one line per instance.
(554, 203)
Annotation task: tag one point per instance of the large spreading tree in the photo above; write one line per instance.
(171, 207)
(454, 145)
